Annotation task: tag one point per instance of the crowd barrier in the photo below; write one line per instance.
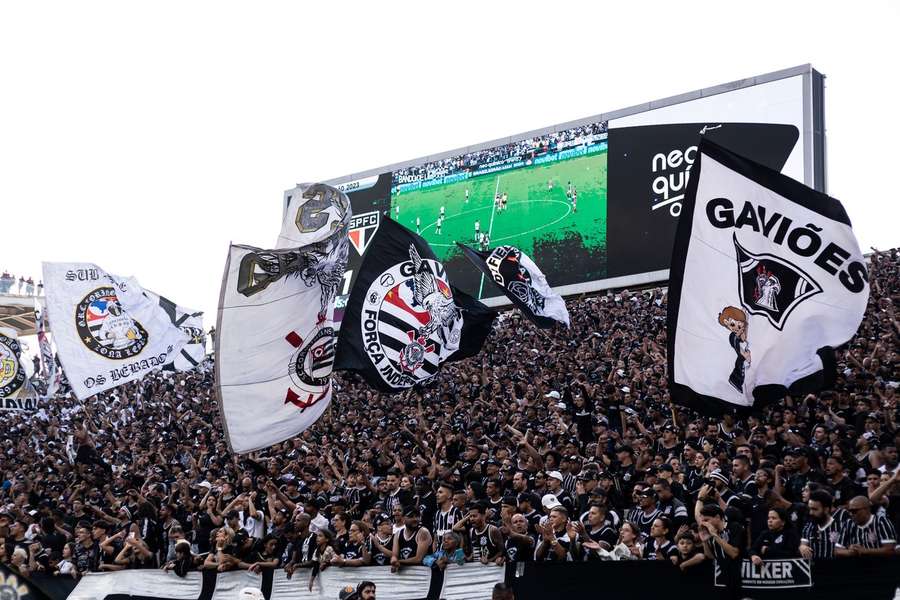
(846, 579)
(466, 582)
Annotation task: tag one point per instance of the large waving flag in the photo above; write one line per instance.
(107, 332)
(766, 279)
(275, 335)
(403, 318)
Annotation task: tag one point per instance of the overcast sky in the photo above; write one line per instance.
(145, 136)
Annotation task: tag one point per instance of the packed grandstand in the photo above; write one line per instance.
(559, 447)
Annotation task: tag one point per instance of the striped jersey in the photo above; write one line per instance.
(821, 539)
(875, 533)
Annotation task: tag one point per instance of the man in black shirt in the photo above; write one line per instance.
(646, 511)
(743, 482)
(555, 542)
(671, 507)
(844, 489)
(598, 535)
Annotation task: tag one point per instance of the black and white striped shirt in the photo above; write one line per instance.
(821, 540)
(644, 520)
(877, 532)
(444, 522)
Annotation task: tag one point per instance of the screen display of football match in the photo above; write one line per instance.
(595, 204)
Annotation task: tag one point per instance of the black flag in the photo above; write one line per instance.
(403, 318)
(522, 282)
(766, 279)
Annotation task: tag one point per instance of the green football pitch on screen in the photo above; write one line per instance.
(537, 210)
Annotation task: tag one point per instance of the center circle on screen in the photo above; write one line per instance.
(487, 210)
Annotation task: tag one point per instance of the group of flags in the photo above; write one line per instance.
(766, 279)
(278, 344)
(107, 331)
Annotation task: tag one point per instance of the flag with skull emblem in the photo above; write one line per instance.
(766, 279)
(275, 332)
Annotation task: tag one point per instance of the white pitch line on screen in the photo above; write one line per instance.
(490, 229)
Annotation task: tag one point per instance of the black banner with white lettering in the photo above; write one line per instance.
(403, 318)
(649, 170)
(766, 278)
(770, 574)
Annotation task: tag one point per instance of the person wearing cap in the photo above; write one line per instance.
(646, 510)
(555, 487)
(382, 540)
(800, 472)
(348, 592)
(411, 543)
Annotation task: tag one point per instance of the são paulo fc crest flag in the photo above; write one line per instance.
(522, 282)
(107, 331)
(404, 318)
(276, 336)
(766, 279)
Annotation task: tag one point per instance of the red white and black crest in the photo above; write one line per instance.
(410, 323)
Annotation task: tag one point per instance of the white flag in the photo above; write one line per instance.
(16, 392)
(767, 278)
(191, 323)
(275, 335)
(107, 331)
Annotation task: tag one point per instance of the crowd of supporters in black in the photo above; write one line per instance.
(519, 150)
(547, 447)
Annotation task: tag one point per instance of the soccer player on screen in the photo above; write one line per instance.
(477, 230)
(467, 195)
(418, 225)
(440, 222)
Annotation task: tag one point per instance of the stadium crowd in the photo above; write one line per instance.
(548, 447)
(520, 150)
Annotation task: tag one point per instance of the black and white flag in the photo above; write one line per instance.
(766, 279)
(403, 318)
(191, 323)
(522, 282)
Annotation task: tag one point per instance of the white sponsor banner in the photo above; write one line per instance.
(471, 581)
(107, 332)
(275, 337)
(411, 583)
